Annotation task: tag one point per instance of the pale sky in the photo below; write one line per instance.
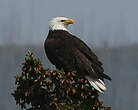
(97, 22)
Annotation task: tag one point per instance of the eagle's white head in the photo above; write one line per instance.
(60, 23)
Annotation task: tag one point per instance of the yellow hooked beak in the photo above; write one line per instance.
(69, 21)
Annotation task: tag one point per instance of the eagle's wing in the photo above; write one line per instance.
(86, 50)
(96, 65)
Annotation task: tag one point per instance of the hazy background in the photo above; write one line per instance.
(110, 27)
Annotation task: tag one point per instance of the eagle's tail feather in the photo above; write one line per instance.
(105, 76)
(97, 84)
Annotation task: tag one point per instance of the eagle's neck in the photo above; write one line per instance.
(58, 27)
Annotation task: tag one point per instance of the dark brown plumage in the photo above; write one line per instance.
(66, 51)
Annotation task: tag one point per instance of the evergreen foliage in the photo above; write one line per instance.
(38, 88)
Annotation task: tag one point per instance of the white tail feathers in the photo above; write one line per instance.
(97, 84)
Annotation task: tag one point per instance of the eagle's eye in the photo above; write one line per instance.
(62, 20)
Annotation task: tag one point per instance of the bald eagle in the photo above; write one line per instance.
(67, 51)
